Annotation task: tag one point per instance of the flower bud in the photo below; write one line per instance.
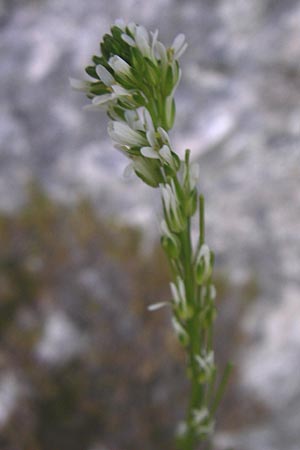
(169, 241)
(183, 310)
(203, 266)
(119, 66)
(173, 214)
(148, 171)
(206, 366)
(180, 332)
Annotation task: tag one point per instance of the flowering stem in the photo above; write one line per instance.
(135, 78)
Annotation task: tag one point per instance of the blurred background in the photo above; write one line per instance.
(83, 364)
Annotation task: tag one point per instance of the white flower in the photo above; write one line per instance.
(122, 134)
(171, 204)
(203, 264)
(182, 429)
(205, 363)
(170, 241)
(141, 40)
(178, 292)
(180, 300)
(199, 415)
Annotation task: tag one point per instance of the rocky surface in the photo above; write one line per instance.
(238, 110)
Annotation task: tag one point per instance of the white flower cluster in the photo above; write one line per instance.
(132, 60)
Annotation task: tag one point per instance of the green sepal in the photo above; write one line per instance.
(149, 171)
(100, 60)
(191, 203)
(125, 81)
(202, 273)
(91, 71)
(138, 98)
(119, 111)
(169, 82)
(117, 33)
(138, 63)
(170, 118)
(146, 180)
(171, 246)
(99, 88)
(151, 72)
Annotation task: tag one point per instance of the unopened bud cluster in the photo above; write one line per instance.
(134, 78)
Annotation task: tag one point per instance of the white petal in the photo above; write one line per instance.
(181, 289)
(165, 153)
(200, 414)
(128, 40)
(142, 32)
(178, 42)
(142, 41)
(164, 135)
(156, 306)
(119, 90)
(204, 252)
(98, 102)
(120, 23)
(151, 138)
(212, 292)
(174, 292)
(179, 330)
(161, 49)
(181, 51)
(101, 99)
(165, 192)
(124, 135)
(128, 171)
(138, 125)
(131, 27)
(148, 120)
(79, 85)
(104, 75)
(148, 152)
(131, 117)
(164, 229)
(154, 41)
